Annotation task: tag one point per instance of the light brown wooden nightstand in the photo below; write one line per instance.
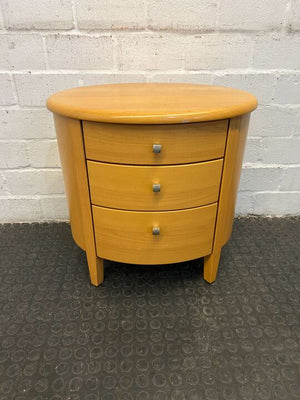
(151, 170)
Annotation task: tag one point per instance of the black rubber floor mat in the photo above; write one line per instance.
(147, 332)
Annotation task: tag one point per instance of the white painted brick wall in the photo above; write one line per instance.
(294, 20)
(260, 84)
(150, 51)
(188, 15)
(80, 52)
(25, 123)
(273, 121)
(43, 153)
(34, 88)
(111, 14)
(204, 78)
(13, 154)
(277, 52)
(218, 51)
(7, 95)
(47, 46)
(1, 20)
(54, 207)
(288, 88)
(252, 15)
(34, 181)
(21, 51)
(38, 14)
(297, 130)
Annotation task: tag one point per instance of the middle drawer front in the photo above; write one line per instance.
(154, 188)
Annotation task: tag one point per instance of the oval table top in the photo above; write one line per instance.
(151, 103)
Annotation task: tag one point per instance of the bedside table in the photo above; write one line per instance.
(151, 170)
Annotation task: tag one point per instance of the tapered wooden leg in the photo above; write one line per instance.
(96, 269)
(211, 264)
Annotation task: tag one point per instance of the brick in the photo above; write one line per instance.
(287, 90)
(273, 151)
(294, 21)
(244, 204)
(251, 15)
(283, 178)
(197, 78)
(287, 151)
(26, 124)
(272, 122)
(268, 203)
(261, 179)
(34, 89)
(218, 51)
(190, 15)
(1, 20)
(253, 151)
(259, 84)
(43, 154)
(291, 179)
(297, 129)
(21, 51)
(111, 14)
(20, 210)
(7, 96)
(34, 182)
(145, 51)
(38, 14)
(80, 52)
(277, 52)
(3, 189)
(104, 78)
(13, 154)
(276, 203)
(55, 208)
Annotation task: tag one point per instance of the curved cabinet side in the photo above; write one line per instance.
(235, 146)
(71, 149)
(234, 153)
(70, 145)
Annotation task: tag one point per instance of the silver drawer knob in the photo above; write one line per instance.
(156, 230)
(156, 187)
(156, 148)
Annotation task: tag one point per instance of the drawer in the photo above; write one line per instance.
(127, 236)
(133, 144)
(154, 188)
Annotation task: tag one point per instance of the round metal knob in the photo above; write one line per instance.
(156, 230)
(156, 187)
(156, 148)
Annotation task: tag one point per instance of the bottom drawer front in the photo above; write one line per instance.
(133, 237)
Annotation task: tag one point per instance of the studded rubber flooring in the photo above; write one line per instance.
(150, 332)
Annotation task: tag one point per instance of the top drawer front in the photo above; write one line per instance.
(133, 144)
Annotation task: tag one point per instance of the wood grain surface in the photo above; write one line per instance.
(133, 144)
(126, 236)
(131, 187)
(152, 103)
(70, 142)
